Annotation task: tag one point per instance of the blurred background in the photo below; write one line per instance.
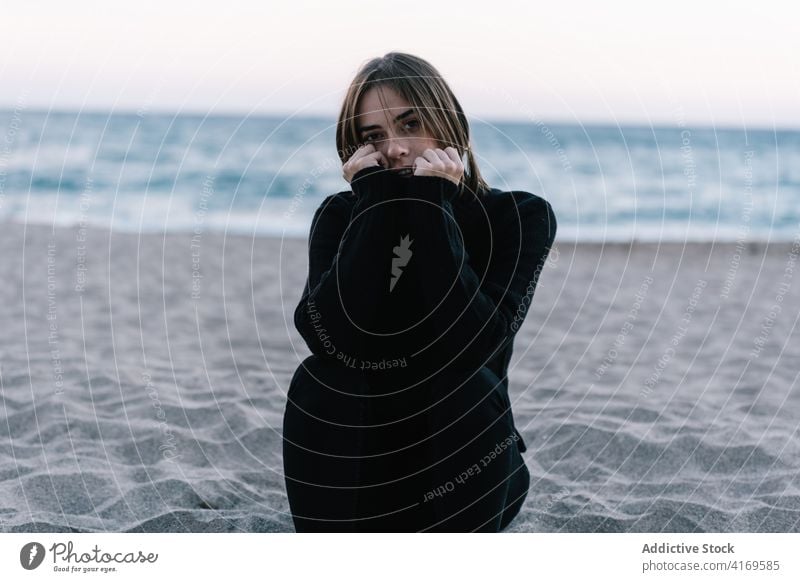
(673, 122)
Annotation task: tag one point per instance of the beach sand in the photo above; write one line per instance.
(144, 380)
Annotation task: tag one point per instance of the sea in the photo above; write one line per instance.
(142, 171)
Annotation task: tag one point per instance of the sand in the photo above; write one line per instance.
(144, 379)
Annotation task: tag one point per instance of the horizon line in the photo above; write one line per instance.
(597, 123)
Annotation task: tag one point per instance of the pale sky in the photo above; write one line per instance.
(710, 63)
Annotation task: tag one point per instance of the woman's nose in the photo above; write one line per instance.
(396, 147)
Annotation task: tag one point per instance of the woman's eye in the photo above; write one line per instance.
(413, 124)
(371, 137)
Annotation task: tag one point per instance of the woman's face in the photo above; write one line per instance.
(395, 130)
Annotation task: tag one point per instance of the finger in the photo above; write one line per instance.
(452, 153)
(364, 157)
(352, 162)
(420, 164)
(360, 152)
(431, 156)
(363, 151)
(376, 158)
(444, 166)
(445, 159)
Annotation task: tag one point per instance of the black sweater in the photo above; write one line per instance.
(408, 277)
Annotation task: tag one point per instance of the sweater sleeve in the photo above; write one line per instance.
(346, 247)
(472, 318)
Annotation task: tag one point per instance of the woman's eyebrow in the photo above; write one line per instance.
(403, 115)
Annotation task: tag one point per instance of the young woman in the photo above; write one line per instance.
(419, 278)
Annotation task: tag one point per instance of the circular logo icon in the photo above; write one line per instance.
(31, 555)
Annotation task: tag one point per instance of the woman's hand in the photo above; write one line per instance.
(444, 163)
(365, 156)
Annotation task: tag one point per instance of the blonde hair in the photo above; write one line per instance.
(419, 83)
